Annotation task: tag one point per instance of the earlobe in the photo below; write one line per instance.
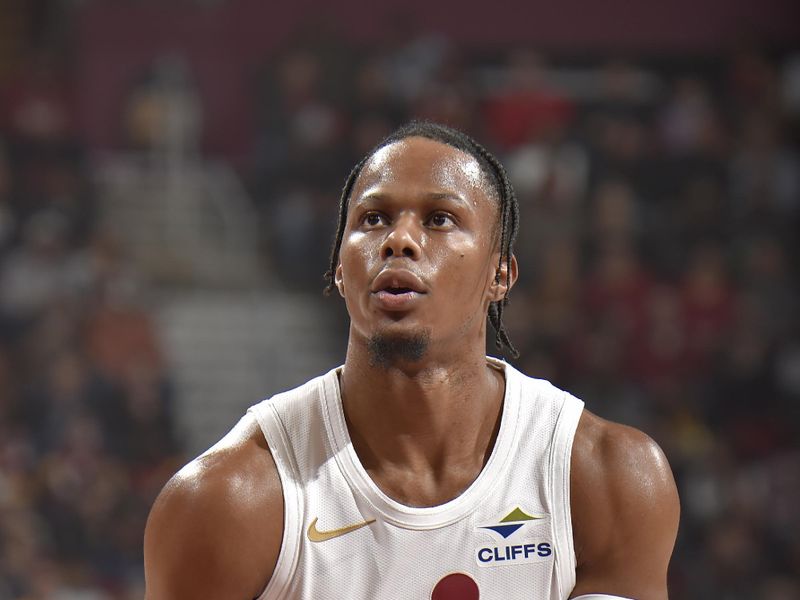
(338, 280)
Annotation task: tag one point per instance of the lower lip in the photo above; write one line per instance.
(391, 301)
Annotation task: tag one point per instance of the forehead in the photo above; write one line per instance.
(417, 164)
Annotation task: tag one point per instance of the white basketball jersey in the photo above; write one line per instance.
(506, 537)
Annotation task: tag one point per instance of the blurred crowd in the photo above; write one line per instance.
(86, 428)
(660, 202)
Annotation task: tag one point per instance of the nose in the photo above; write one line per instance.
(402, 239)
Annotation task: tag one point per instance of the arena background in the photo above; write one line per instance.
(169, 172)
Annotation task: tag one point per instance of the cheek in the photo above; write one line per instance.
(467, 267)
(355, 256)
(353, 253)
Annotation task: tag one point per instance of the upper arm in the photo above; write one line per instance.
(625, 511)
(215, 530)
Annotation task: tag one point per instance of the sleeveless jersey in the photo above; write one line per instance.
(508, 536)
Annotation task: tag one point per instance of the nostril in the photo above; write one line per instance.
(408, 252)
(389, 251)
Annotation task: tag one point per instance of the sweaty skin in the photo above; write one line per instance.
(421, 217)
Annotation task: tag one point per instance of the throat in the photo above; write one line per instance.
(423, 440)
(425, 489)
(428, 467)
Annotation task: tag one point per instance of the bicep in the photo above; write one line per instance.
(625, 516)
(213, 534)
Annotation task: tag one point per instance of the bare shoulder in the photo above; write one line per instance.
(216, 528)
(625, 511)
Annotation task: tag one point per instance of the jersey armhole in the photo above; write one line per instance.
(275, 434)
(559, 472)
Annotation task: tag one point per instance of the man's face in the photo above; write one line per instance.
(419, 252)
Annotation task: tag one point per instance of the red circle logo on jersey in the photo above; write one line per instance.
(456, 586)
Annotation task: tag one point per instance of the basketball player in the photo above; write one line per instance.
(421, 469)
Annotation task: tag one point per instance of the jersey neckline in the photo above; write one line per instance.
(421, 517)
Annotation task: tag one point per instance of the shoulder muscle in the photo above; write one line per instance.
(625, 511)
(215, 530)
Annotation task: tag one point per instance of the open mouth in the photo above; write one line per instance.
(397, 297)
(397, 287)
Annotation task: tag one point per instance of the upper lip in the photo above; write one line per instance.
(397, 279)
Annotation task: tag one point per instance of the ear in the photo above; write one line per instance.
(503, 279)
(337, 279)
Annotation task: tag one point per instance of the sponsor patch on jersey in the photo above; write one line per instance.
(517, 540)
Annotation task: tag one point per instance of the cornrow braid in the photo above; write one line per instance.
(342, 219)
(497, 177)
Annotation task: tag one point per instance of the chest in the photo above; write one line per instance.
(506, 549)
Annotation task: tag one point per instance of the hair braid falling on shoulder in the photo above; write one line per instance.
(508, 219)
(509, 225)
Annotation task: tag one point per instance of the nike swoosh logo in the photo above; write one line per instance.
(315, 535)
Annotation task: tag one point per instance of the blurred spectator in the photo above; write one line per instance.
(689, 123)
(765, 174)
(613, 213)
(37, 104)
(37, 271)
(529, 106)
(708, 303)
(551, 170)
(412, 59)
(164, 111)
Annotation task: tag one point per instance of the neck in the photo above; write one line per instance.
(422, 429)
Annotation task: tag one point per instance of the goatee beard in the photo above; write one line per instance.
(388, 350)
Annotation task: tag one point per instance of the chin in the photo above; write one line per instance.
(391, 347)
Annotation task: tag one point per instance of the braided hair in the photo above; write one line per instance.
(495, 175)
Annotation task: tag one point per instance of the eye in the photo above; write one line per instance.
(373, 219)
(441, 220)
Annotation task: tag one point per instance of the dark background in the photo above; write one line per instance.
(169, 173)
